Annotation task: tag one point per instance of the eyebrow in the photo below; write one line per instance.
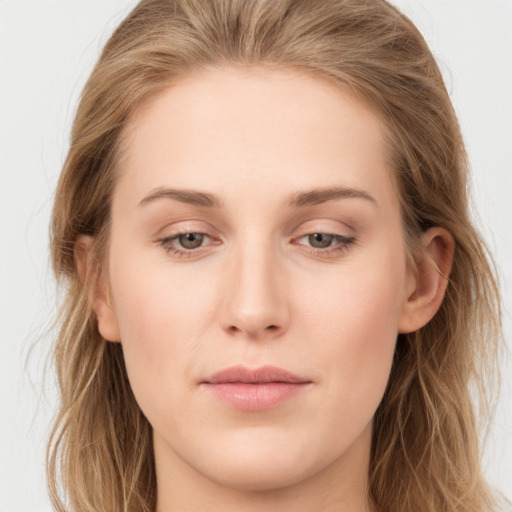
(322, 195)
(192, 197)
(297, 200)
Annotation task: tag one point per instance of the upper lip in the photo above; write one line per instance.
(261, 375)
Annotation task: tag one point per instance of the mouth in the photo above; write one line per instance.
(255, 389)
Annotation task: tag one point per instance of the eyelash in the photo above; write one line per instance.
(340, 247)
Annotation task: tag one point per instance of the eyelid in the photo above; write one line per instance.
(181, 227)
(324, 222)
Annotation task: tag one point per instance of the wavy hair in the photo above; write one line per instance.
(425, 449)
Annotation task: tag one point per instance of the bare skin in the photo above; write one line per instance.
(255, 222)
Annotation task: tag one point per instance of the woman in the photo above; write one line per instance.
(276, 300)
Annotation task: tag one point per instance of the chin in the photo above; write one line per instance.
(258, 476)
(260, 465)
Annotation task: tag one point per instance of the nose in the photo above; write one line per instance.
(255, 301)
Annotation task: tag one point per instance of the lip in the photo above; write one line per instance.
(255, 389)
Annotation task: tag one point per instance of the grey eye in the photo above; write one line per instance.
(191, 240)
(320, 240)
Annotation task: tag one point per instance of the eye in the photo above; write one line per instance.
(184, 244)
(324, 243)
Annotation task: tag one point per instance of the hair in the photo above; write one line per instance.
(425, 448)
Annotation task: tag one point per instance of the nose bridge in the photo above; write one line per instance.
(255, 302)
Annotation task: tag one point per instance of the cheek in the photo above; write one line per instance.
(152, 311)
(162, 320)
(155, 301)
(354, 323)
(361, 297)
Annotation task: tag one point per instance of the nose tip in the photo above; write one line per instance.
(255, 304)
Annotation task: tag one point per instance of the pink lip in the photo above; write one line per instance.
(255, 389)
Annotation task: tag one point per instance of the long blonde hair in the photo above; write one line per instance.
(425, 452)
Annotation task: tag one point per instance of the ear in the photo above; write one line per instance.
(91, 275)
(426, 285)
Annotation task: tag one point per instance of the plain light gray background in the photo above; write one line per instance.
(48, 47)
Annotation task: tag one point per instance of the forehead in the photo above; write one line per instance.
(222, 128)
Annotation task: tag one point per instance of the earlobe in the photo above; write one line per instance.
(91, 275)
(429, 281)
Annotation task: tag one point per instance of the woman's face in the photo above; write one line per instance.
(255, 224)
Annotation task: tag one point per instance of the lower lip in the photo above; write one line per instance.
(255, 397)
